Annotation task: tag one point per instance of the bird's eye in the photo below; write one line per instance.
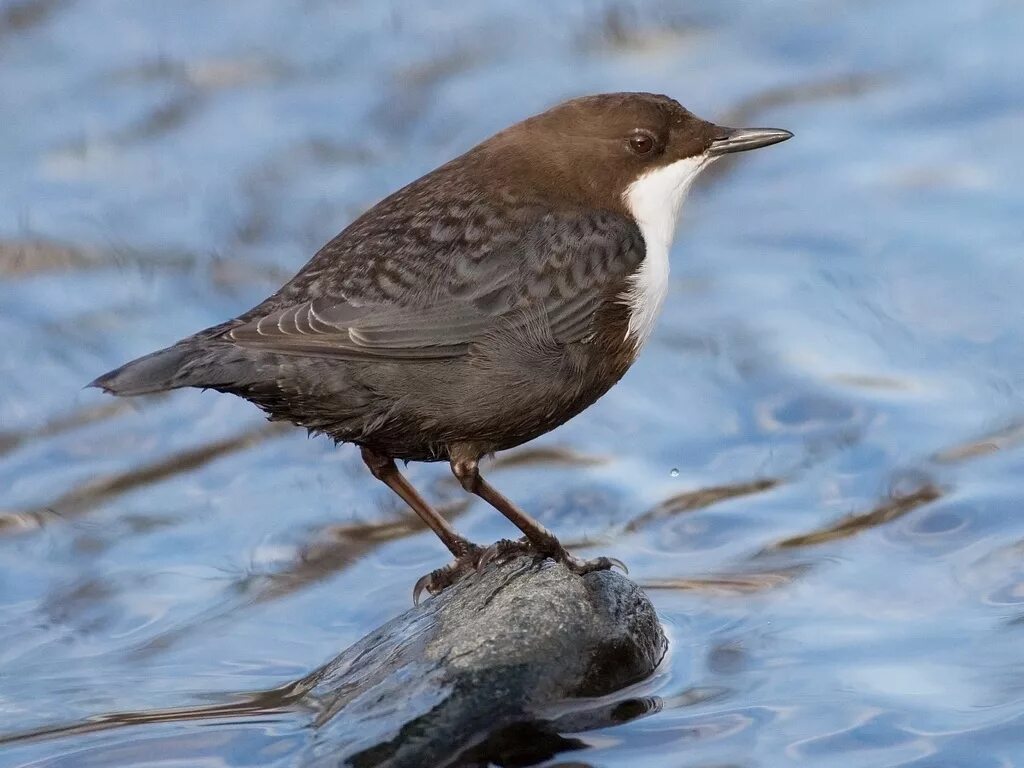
(641, 143)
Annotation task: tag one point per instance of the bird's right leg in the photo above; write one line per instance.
(466, 469)
(467, 554)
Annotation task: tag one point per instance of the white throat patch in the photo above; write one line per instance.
(654, 200)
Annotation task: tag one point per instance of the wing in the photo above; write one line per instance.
(556, 274)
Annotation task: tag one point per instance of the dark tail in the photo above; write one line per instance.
(156, 372)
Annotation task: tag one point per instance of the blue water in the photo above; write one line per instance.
(844, 321)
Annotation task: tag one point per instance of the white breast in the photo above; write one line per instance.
(654, 200)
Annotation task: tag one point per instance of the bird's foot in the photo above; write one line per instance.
(438, 580)
(548, 546)
(503, 550)
(476, 559)
(579, 566)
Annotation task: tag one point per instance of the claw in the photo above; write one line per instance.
(618, 564)
(434, 582)
(486, 557)
(422, 583)
(438, 580)
(500, 550)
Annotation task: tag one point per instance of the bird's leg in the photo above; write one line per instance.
(467, 554)
(537, 538)
(385, 470)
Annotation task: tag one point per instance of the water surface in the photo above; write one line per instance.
(814, 468)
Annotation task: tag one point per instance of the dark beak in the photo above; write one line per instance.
(742, 139)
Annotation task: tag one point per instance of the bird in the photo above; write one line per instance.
(474, 309)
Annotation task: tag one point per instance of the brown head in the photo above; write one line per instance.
(589, 150)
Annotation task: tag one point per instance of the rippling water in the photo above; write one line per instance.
(814, 469)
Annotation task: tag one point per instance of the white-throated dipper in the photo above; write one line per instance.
(475, 309)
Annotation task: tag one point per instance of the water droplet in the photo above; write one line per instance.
(674, 472)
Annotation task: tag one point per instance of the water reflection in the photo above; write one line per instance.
(81, 499)
(884, 512)
(813, 468)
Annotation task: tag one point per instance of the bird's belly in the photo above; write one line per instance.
(500, 405)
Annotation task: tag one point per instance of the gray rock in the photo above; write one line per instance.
(477, 674)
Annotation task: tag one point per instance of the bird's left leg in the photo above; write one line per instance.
(467, 554)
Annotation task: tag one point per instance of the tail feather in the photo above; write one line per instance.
(155, 372)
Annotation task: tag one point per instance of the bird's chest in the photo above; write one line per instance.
(645, 291)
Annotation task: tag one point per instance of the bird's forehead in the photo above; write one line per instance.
(617, 112)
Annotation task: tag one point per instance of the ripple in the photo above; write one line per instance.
(807, 413)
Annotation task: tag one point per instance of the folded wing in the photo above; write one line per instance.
(556, 275)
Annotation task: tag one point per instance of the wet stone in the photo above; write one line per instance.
(475, 672)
